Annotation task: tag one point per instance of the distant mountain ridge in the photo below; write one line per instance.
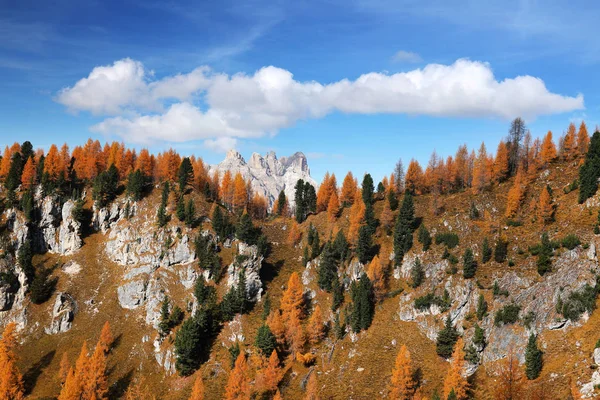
(268, 175)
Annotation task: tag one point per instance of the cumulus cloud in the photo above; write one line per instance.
(220, 109)
(407, 57)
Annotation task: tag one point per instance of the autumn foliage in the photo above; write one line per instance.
(402, 384)
(454, 379)
(238, 384)
(11, 380)
(197, 389)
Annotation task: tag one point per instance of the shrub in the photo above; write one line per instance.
(579, 302)
(570, 241)
(450, 240)
(426, 301)
(509, 314)
(514, 222)
(501, 251)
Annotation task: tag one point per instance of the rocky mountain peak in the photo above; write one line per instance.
(268, 174)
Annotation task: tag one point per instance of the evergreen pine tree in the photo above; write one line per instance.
(446, 339)
(315, 246)
(25, 260)
(482, 307)
(340, 246)
(187, 343)
(365, 244)
(163, 326)
(590, 170)
(533, 358)
(281, 203)
(105, 186)
(501, 250)
(486, 251)
(404, 228)
(185, 174)
(337, 292)
(327, 268)
(136, 184)
(424, 237)
(301, 206)
(265, 340)
(180, 210)
(544, 261)
(190, 213)
(469, 264)
(392, 200)
(245, 230)
(363, 304)
(417, 274)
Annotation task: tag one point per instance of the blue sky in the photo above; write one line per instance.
(354, 84)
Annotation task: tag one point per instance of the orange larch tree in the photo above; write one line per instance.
(278, 395)
(277, 326)
(11, 380)
(325, 191)
(53, 163)
(271, 375)
(569, 143)
(349, 188)
(454, 379)
(258, 206)
(481, 178)
(295, 234)
(413, 179)
(461, 167)
(238, 386)
(226, 189)
(545, 208)
(28, 177)
(515, 195)
(333, 207)
(402, 384)
(377, 274)
(357, 217)
(293, 298)
(197, 389)
(5, 163)
(106, 338)
(583, 139)
(96, 380)
(71, 389)
(294, 333)
(316, 327)
(501, 163)
(144, 163)
(548, 150)
(200, 174)
(511, 381)
(65, 159)
(240, 195)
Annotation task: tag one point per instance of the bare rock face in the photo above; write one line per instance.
(63, 314)
(9, 283)
(268, 175)
(105, 218)
(249, 261)
(570, 272)
(17, 225)
(69, 234)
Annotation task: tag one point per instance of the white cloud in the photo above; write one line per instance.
(407, 57)
(221, 145)
(219, 108)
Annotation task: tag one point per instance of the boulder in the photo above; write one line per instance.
(132, 294)
(63, 314)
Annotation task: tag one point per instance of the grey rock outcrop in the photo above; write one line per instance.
(69, 234)
(249, 261)
(63, 314)
(268, 175)
(571, 271)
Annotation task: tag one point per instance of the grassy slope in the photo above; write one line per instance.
(337, 370)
